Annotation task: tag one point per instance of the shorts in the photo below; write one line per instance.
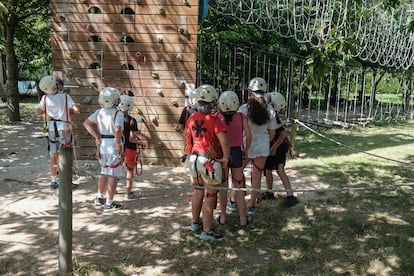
(54, 143)
(111, 165)
(273, 161)
(210, 170)
(130, 156)
(259, 147)
(236, 157)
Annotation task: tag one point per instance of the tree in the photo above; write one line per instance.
(19, 20)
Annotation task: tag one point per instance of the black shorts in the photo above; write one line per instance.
(273, 161)
(236, 157)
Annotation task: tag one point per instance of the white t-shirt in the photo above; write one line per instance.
(260, 144)
(107, 118)
(57, 108)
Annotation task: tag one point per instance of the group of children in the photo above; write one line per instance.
(114, 130)
(220, 143)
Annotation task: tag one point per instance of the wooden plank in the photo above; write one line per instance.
(76, 46)
(144, 67)
(136, 27)
(118, 37)
(96, 56)
(144, 20)
(170, 8)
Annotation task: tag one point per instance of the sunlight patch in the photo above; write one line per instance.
(289, 254)
(390, 219)
(376, 267)
(31, 205)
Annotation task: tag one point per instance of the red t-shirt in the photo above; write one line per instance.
(203, 129)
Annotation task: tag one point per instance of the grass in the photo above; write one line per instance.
(27, 108)
(340, 232)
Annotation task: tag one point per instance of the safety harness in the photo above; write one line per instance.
(45, 125)
(108, 136)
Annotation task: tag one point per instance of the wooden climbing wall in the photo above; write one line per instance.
(147, 47)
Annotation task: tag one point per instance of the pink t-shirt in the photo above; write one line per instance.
(234, 128)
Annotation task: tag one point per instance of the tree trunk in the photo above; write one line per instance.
(12, 92)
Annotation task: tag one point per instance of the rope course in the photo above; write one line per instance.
(343, 97)
(383, 36)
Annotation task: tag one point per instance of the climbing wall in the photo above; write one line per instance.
(144, 47)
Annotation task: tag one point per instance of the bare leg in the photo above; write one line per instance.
(223, 197)
(129, 174)
(285, 179)
(54, 157)
(102, 184)
(257, 169)
(269, 179)
(112, 183)
(238, 181)
(196, 202)
(207, 210)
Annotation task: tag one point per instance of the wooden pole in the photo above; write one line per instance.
(293, 130)
(65, 211)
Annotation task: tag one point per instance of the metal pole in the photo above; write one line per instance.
(65, 211)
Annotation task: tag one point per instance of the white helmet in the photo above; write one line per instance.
(108, 97)
(48, 84)
(206, 93)
(192, 98)
(125, 103)
(228, 101)
(278, 101)
(258, 84)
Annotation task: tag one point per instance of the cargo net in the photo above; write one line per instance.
(384, 36)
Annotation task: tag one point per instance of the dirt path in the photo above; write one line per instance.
(29, 212)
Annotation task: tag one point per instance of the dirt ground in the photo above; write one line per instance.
(30, 220)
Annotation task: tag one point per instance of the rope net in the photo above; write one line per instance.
(384, 37)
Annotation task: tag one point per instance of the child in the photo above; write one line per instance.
(262, 123)
(56, 108)
(106, 126)
(131, 142)
(237, 126)
(205, 134)
(279, 147)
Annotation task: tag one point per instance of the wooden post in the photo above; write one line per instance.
(293, 131)
(65, 211)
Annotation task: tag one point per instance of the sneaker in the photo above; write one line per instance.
(232, 206)
(251, 210)
(113, 207)
(53, 185)
(291, 201)
(131, 195)
(267, 195)
(99, 201)
(195, 226)
(211, 236)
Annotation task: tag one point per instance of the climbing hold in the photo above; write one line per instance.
(155, 75)
(160, 93)
(74, 55)
(90, 28)
(87, 100)
(180, 57)
(174, 103)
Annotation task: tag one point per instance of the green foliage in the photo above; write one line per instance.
(31, 36)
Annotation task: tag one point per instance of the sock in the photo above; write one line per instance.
(99, 195)
(108, 202)
(54, 178)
